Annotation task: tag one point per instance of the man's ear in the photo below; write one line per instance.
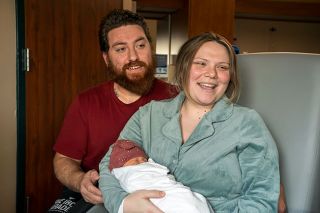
(105, 58)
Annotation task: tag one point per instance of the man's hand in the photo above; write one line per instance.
(88, 190)
(69, 173)
(139, 202)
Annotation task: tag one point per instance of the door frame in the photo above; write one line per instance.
(21, 109)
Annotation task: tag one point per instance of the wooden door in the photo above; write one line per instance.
(62, 36)
(212, 15)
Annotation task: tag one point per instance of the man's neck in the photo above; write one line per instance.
(125, 95)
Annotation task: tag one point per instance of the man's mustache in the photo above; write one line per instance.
(133, 64)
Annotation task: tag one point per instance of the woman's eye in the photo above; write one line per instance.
(223, 67)
(200, 63)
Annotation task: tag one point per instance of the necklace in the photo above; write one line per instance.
(195, 114)
(200, 114)
(116, 91)
(127, 99)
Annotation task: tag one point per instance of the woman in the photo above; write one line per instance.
(217, 148)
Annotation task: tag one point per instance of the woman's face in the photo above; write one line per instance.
(209, 74)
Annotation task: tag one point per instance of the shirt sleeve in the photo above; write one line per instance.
(258, 159)
(121, 208)
(112, 192)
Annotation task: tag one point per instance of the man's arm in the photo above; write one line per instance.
(68, 171)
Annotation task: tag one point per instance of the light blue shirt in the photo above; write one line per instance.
(230, 158)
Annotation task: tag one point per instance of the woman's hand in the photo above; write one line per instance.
(282, 207)
(139, 202)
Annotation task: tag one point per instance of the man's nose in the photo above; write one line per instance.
(133, 55)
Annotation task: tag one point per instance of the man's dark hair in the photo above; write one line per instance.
(117, 18)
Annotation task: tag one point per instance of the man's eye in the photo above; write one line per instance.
(141, 46)
(120, 49)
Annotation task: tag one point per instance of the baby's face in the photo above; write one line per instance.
(135, 161)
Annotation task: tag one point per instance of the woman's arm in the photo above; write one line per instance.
(111, 190)
(258, 159)
(282, 206)
(113, 194)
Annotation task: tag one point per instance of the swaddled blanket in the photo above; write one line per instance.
(151, 175)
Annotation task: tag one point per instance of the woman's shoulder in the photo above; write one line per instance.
(246, 113)
(244, 109)
(156, 105)
(162, 107)
(163, 103)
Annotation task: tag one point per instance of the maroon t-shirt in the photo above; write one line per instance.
(95, 119)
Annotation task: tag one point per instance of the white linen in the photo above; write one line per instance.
(151, 175)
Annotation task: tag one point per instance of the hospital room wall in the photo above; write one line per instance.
(8, 137)
(258, 35)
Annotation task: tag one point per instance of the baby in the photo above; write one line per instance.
(133, 169)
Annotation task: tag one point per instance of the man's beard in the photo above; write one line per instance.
(139, 83)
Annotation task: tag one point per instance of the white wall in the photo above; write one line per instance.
(254, 35)
(8, 138)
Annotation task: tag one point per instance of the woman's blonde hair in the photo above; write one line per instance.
(187, 53)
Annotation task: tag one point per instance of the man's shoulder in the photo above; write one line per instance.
(163, 84)
(101, 89)
(163, 90)
(97, 88)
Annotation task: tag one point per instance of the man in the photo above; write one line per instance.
(97, 115)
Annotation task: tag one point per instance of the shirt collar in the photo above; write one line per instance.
(221, 111)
